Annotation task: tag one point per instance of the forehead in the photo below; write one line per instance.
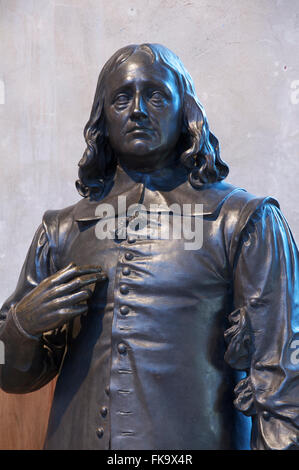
(139, 68)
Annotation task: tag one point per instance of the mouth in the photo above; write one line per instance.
(139, 130)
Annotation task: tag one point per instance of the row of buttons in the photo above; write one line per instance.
(124, 310)
(104, 412)
(124, 289)
(126, 271)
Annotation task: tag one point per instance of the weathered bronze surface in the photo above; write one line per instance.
(149, 338)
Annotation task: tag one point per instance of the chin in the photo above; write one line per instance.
(140, 149)
(142, 145)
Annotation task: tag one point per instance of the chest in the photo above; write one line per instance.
(157, 254)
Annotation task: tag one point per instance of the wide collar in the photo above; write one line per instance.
(164, 188)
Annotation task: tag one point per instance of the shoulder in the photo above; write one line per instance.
(241, 209)
(227, 199)
(59, 223)
(241, 206)
(52, 218)
(234, 208)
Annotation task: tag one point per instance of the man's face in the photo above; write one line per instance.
(142, 113)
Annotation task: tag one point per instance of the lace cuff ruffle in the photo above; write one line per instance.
(238, 356)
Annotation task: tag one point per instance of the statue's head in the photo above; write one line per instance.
(146, 114)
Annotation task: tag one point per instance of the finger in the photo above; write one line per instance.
(71, 312)
(75, 285)
(54, 276)
(74, 271)
(69, 300)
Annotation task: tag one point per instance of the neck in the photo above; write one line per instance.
(165, 177)
(148, 165)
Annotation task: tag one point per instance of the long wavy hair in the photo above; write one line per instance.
(197, 147)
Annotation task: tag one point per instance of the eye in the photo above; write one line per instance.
(158, 99)
(121, 100)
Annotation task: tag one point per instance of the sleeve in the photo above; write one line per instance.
(30, 362)
(263, 338)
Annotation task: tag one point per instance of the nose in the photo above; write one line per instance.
(139, 110)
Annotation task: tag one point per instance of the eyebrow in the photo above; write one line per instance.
(151, 83)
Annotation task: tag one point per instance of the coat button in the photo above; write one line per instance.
(124, 289)
(104, 411)
(129, 256)
(266, 415)
(100, 432)
(122, 349)
(124, 309)
(126, 271)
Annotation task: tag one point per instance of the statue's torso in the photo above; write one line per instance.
(151, 348)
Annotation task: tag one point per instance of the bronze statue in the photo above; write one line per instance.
(150, 338)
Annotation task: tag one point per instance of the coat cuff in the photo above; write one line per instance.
(273, 433)
(20, 348)
(270, 431)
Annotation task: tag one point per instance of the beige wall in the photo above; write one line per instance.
(243, 56)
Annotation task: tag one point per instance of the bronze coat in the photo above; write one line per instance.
(153, 375)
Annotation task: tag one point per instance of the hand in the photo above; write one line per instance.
(58, 298)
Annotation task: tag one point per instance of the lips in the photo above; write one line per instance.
(139, 129)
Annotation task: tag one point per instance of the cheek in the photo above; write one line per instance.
(114, 122)
(172, 123)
